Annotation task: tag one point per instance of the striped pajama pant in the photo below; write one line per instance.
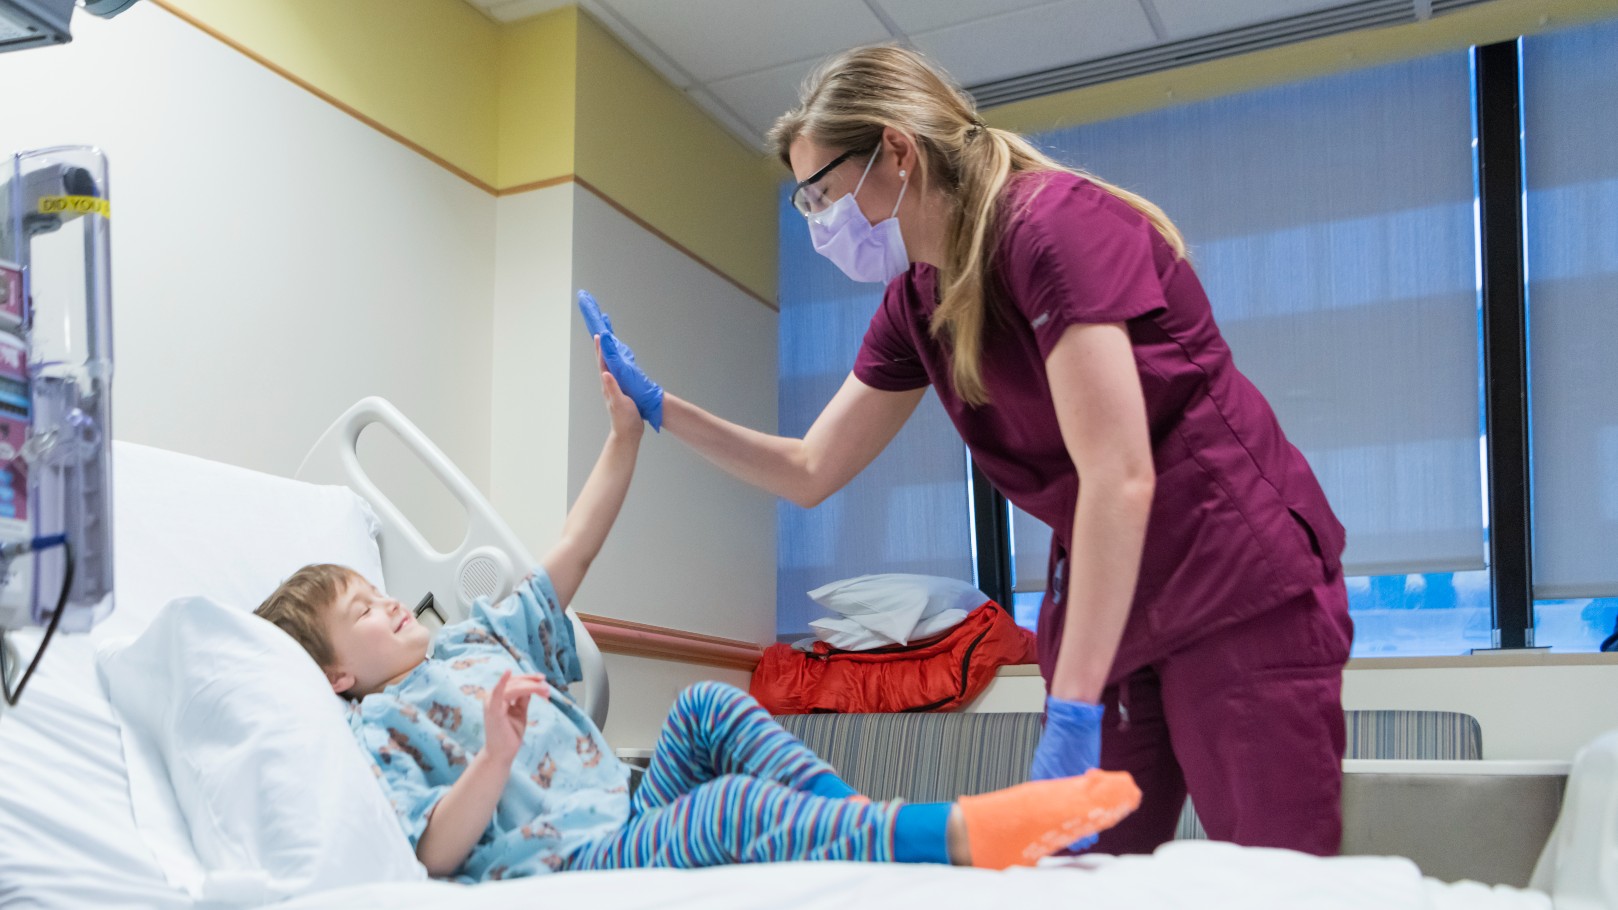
(727, 785)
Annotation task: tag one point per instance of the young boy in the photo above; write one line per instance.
(496, 773)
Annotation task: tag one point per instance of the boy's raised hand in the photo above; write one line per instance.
(626, 419)
(647, 395)
(505, 713)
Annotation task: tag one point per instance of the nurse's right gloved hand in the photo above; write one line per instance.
(1070, 745)
(646, 394)
(595, 321)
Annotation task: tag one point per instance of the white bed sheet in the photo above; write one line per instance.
(1196, 875)
(67, 833)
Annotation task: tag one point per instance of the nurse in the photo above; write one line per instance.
(1195, 625)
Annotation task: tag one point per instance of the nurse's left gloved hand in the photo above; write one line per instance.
(1070, 745)
(620, 360)
(647, 395)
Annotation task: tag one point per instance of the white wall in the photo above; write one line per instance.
(274, 259)
(534, 339)
(694, 549)
(643, 690)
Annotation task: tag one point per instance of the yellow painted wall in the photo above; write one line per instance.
(538, 98)
(422, 69)
(1484, 23)
(649, 148)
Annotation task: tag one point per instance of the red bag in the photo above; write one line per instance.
(938, 674)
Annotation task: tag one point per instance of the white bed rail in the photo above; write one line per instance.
(489, 561)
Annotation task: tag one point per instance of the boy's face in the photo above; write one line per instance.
(375, 640)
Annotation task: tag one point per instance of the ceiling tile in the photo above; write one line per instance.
(759, 98)
(1036, 39)
(1191, 18)
(716, 39)
(930, 15)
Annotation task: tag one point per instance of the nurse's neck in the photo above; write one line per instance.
(924, 222)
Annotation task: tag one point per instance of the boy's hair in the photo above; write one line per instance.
(299, 606)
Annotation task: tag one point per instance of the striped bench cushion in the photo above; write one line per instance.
(938, 757)
(922, 757)
(1414, 734)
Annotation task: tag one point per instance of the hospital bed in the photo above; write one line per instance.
(70, 835)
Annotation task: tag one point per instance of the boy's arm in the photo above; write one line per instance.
(463, 813)
(592, 515)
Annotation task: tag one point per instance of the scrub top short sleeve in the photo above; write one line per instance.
(888, 359)
(1075, 258)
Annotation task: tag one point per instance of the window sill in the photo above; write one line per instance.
(1515, 658)
(1521, 658)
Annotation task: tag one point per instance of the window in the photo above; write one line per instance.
(1570, 169)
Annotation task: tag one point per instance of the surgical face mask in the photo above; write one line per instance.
(864, 251)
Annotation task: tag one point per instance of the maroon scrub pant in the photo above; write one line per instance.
(1250, 720)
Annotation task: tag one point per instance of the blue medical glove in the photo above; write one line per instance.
(1070, 745)
(595, 321)
(647, 395)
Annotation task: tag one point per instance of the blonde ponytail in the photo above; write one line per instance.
(848, 103)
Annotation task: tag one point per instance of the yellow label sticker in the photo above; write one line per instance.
(75, 205)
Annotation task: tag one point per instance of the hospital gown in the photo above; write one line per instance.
(566, 786)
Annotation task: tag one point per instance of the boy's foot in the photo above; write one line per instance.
(1022, 824)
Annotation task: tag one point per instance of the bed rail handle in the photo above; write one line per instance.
(489, 561)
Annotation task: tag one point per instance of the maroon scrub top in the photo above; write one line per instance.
(1238, 523)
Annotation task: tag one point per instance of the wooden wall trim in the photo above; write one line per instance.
(621, 636)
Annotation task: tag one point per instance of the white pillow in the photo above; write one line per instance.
(188, 527)
(269, 790)
(892, 608)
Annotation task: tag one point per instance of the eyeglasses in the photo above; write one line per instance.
(806, 197)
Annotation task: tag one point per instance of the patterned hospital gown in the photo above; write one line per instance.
(566, 786)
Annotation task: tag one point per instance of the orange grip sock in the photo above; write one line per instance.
(1022, 824)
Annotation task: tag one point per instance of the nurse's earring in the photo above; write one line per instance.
(905, 185)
